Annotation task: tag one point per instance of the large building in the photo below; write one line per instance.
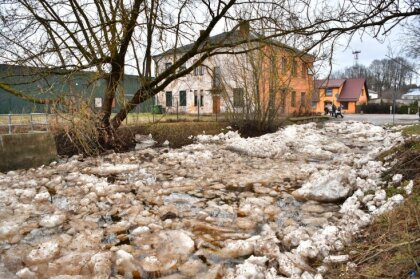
(412, 94)
(273, 77)
(69, 89)
(349, 93)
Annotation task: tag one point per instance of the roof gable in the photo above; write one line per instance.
(232, 38)
(352, 90)
(330, 83)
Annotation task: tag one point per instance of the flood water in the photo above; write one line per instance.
(195, 212)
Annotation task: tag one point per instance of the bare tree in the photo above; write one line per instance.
(257, 85)
(112, 37)
(383, 75)
(411, 38)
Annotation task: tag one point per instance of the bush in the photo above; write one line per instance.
(403, 109)
(409, 109)
(373, 108)
(384, 108)
(414, 107)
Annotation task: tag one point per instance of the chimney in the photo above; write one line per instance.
(244, 28)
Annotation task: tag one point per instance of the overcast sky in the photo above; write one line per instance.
(370, 48)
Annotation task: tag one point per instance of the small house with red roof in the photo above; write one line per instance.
(348, 93)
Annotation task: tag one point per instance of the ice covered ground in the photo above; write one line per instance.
(226, 206)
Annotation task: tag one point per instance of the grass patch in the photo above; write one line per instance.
(178, 133)
(411, 130)
(392, 191)
(408, 159)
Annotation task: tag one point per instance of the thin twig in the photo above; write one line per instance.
(390, 248)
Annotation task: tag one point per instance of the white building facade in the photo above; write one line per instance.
(198, 90)
(227, 82)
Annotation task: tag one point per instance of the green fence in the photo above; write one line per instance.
(70, 88)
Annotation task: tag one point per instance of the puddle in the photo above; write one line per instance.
(249, 187)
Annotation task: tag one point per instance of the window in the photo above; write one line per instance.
(294, 67)
(345, 105)
(304, 69)
(283, 95)
(283, 65)
(182, 98)
(273, 64)
(328, 92)
(198, 98)
(198, 70)
(302, 99)
(167, 65)
(293, 101)
(169, 98)
(238, 97)
(195, 98)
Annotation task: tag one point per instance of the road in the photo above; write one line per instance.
(381, 119)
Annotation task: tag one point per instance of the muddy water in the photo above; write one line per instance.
(194, 212)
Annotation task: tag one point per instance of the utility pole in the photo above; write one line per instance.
(356, 57)
(393, 104)
(356, 61)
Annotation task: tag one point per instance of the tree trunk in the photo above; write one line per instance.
(113, 80)
(140, 96)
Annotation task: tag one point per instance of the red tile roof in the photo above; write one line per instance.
(352, 89)
(323, 83)
(331, 83)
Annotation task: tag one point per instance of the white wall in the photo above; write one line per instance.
(202, 83)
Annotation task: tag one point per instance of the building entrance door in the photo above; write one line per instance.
(216, 104)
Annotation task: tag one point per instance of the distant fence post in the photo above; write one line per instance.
(10, 123)
(32, 122)
(198, 107)
(46, 122)
(177, 115)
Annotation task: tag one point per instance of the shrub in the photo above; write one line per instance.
(414, 107)
(384, 108)
(373, 108)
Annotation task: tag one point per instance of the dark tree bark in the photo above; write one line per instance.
(113, 37)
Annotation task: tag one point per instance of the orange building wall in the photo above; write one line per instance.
(297, 83)
(322, 98)
(351, 108)
(336, 91)
(363, 97)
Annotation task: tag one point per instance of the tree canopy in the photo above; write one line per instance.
(117, 36)
(396, 74)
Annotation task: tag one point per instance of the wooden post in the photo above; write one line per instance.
(31, 122)
(10, 124)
